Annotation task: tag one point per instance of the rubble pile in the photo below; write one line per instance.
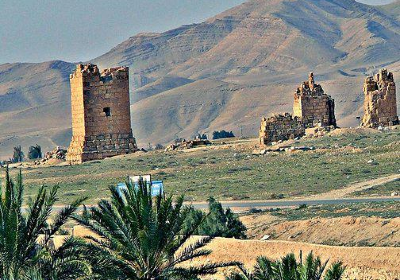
(185, 145)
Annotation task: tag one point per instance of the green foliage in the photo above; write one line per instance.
(141, 237)
(18, 155)
(288, 268)
(222, 134)
(35, 152)
(217, 222)
(25, 236)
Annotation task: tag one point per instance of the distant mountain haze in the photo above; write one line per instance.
(223, 73)
(75, 30)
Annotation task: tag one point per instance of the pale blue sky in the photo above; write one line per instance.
(78, 30)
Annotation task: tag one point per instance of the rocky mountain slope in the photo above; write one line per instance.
(224, 73)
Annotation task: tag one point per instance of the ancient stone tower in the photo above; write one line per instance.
(101, 120)
(380, 107)
(312, 105)
(311, 108)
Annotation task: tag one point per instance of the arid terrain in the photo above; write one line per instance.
(347, 162)
(224, 73)
(362, 262)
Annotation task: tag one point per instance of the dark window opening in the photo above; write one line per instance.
(107, 110)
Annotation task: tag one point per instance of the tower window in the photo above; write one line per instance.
(107, 111)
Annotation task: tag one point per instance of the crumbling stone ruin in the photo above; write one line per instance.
(380, 107)
(311, 108)
(280, 127)
(101, 120)
(56, 153)
(185, 145)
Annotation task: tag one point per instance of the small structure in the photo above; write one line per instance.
(101, 119)
(380, 107)
(311, 108)
(280, 127)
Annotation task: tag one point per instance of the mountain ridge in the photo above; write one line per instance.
(223, 73)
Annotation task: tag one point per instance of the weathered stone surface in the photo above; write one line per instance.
(311, 108)
(312, 105)
(280, 127)
(380, 107)
(101, 122)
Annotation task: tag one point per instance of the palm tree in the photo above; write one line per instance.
(25, 234)
(140, 237)
(288, 268)
(68, 262)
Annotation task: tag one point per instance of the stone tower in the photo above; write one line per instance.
(101, 120)
(312, 105)
(380, 107)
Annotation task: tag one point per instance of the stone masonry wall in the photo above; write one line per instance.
(313, 106)
(280, 127)
(380, 107)
(101, 122)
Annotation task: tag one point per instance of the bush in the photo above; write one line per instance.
(35, 152)
(222, 134)
(217, 222)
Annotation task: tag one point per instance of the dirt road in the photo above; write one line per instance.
(362, 186)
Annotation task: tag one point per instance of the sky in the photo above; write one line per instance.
(77, 30)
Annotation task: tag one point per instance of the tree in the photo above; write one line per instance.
(35, 152)
(140, 237)
(21, 249)
(288, 268)
(18, 155)
(222, 134)
(217, 223)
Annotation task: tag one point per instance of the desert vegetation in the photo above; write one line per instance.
(134, 236)
(35, 152)
(25, 245)
(230, 171)
(217, 222)
(222, 134)
(289, 267)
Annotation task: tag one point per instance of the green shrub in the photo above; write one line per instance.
(218, 222)
(35, 152)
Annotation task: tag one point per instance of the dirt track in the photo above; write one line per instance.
(362, 186)
(362, 262)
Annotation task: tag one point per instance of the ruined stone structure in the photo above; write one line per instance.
(101, 121)
(280, 127)
(380, 107)
(313, 106)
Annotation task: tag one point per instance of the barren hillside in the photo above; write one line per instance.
(224, 73)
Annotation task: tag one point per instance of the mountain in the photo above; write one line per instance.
(392, 9)
(224, 73)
